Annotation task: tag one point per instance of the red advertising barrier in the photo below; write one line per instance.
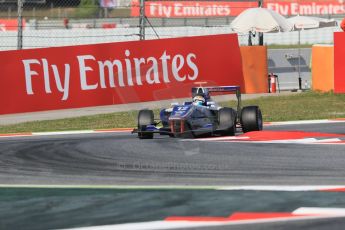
(9, 24)
(115, 73)
(307, 7)
(339, 67)
(185, 9)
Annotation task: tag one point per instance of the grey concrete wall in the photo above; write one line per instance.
(285, 62)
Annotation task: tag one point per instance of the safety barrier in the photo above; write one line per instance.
(323, 68)
(116, 73)
(339, 67)
(254, 62)
(328, 69)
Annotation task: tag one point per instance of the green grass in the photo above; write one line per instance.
(301, 106)
(62, 12)
(289, 46)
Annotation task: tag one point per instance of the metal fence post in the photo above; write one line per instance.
(261, 35)
(142, 19)
(20, 25)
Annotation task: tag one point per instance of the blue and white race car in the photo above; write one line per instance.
(200, 117)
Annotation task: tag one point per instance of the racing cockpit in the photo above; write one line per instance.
(201, 91)
(205, 92)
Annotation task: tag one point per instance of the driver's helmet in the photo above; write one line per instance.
(199, 100)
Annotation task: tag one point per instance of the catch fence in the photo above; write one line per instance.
(47, 23)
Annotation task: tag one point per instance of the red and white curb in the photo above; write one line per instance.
(306, 122)
(237, 218)
(237, 138)
(280, 137)
(29, 134)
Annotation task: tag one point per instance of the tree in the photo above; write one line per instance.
(87, 8)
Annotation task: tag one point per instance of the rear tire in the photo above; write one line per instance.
(145, 118)
(251, 119)
(227, 121)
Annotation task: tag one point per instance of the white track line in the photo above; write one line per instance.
(296, 141)
(73, 132)
(283, 188)
(329, 141)
(151, 225)
(320, 211)
(131, 187)
(220, 139)
(303, 122)
(63, 133)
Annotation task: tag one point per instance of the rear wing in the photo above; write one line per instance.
(205, 91)
(222, 88)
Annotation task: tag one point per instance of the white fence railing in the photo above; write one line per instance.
(67, 37)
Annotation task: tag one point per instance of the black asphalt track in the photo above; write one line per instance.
(122, 159)
(118, 159)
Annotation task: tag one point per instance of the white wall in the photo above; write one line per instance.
(65, 37)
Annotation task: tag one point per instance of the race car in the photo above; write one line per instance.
(200, 117)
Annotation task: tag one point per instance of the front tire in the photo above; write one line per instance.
(251, 119)
(145, 118)
(227, 121)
